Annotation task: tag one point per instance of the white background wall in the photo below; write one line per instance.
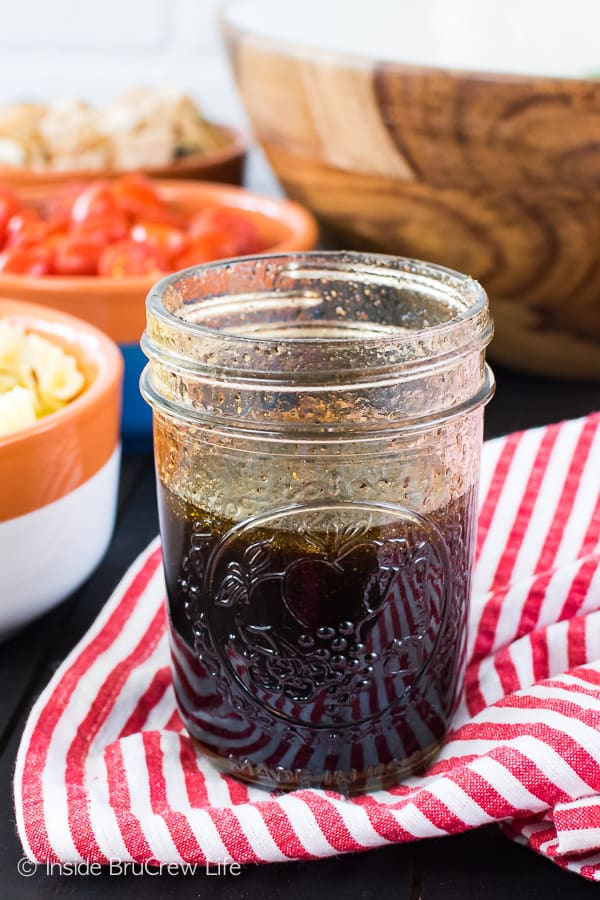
(96, 49)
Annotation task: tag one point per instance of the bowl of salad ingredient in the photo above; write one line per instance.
(60, 397)
(94, 249)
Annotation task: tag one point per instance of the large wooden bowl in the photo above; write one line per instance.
(497, 176)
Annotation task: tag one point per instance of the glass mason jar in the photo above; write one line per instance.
(317, 433)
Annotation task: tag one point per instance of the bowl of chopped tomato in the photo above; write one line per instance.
(95, 249)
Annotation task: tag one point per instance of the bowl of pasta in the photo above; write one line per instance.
(60, 397)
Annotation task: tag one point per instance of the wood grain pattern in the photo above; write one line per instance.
(496, 176)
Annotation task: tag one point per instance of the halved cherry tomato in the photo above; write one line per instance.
(59, 207)
(94, 200)
(127, 258)
(25, 228)
(103, 229)
(135, 194)
(202, 250)
(235, 234)
(26, 260)
(9, 206)
(74, 255)
(167, 240)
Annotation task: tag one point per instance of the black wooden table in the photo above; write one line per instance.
(481, 864)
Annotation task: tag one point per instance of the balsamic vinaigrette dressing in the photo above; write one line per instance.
(324, 657)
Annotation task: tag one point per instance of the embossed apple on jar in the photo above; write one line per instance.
(307, 617)
(321, 591)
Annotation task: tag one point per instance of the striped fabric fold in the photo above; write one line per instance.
(105, 770)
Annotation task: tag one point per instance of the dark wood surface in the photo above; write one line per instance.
(478, 864)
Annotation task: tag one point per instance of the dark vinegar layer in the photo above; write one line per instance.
(328, 656)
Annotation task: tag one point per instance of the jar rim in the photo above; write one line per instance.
(334, 261)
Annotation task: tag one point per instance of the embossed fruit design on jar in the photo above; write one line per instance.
(317, 426)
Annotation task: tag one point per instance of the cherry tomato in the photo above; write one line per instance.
(25, 228)
(74, 255)
(59, 207)
(94, 201)
(9, 206)
(26, 260)
(201, 250)
(103, 229)
(167, 240)
(236, 235)
(127, 258)
(135, 194)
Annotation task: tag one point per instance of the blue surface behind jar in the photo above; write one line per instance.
(136, 415)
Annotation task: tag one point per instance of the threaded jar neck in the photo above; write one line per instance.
(317, 343)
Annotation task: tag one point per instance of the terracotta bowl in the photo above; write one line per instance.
(224, 165)
(410, 129)
(59, 476)
(117, 306)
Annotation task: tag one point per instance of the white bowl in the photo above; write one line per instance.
(59, 476)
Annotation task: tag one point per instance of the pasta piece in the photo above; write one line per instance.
(36, 377)
(17, 409)
(57, 378)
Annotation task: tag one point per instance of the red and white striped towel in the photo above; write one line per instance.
(106, 772)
